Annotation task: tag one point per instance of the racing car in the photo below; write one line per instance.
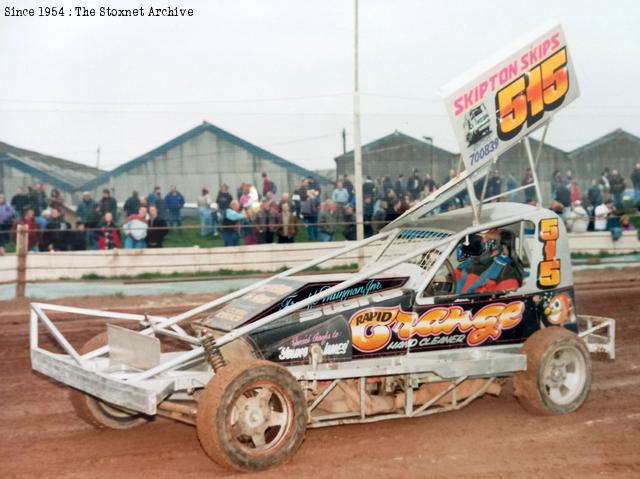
(445, 308)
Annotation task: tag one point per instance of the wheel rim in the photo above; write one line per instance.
(260, 418)
(564, 375)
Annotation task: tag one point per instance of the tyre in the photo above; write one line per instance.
(96, 412)
(558, 375)
(252, 415)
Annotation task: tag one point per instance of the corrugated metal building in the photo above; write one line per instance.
(206, 156)
(398, 153)
(24, 168)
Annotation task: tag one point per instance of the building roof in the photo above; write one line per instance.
(62, 174)
(396, 136)
(219, 132)
(617, 134)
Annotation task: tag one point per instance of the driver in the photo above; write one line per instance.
(485, 264)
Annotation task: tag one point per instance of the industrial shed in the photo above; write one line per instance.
(397, 154)
(205, 156)
(618, 149)
(24, 168)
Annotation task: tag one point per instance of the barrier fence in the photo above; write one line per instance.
(26, 266)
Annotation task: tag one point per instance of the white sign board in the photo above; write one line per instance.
(511, 95)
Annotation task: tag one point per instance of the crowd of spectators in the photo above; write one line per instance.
(252, 216)
(601, 207)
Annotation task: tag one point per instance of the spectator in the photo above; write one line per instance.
(268, 186)
(575, 191)
(368, 187)
(43, 219)
(78, 237)
(635, 181)
(85, 208)
(367, 216)
(56, 236)
(400, 185)
(7, 216)
(92, 224)
(556, 179)
(393, 210)
(174, 201)
(350, 223)
(527, 179)
(263, 221)
(563, 196)
(232, 217)
(594, 193)
(20, 202)
(313, 185)
(161, 205)
(625, 223)
(144, 202)
(38, 199)
(153, 195)
(429, 183)
(108, 235)
(379, 215)
(386, 186)
(602, 212)
(287, 225)
(346, 182)
(340, 198)
(132, 205)
(414, 185)
(33, 235)
(56, 200)
(512, 184)
(215, 218)
(309, 210)
(604, 182)
(246, 199)
(617, 186)
(250, 233)
(426, 191)
(285, 199)
(567, 178)
(108, 204)
(204, 209)
(157, 229)
(135, 230)
(578, 220)
(494, 185)
(326, 221)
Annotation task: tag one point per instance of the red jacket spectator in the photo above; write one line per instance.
(108, 236)
(575, 191)
(34, 229)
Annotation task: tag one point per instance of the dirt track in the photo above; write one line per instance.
(493, 438)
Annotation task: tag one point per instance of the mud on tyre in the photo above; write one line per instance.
(252, 415)
(558, 375)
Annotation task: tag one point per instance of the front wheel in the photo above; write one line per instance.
(558, 375)
(252, 415)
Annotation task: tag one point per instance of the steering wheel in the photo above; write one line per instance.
(443, 282)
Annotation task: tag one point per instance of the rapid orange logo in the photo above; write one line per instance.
(372, 328)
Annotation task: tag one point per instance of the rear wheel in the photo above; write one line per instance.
(251, 416)
(558, 375)
(96, 412)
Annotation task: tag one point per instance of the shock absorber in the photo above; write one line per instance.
(214, 356)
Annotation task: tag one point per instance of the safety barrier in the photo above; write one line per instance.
(46, 266)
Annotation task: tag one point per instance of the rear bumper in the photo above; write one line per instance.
(599, 334)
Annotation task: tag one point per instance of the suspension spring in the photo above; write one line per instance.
(214, 356)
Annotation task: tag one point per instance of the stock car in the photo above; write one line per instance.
(447, 307)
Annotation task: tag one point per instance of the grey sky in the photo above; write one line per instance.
(279, 73)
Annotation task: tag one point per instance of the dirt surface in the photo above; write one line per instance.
(40, 436)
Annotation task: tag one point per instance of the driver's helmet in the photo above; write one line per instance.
(473, 246)
(491, 240)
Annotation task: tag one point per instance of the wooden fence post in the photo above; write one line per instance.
(22, 247)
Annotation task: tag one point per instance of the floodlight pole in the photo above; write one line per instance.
(357, 148)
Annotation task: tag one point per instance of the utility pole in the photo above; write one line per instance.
(357, 149)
